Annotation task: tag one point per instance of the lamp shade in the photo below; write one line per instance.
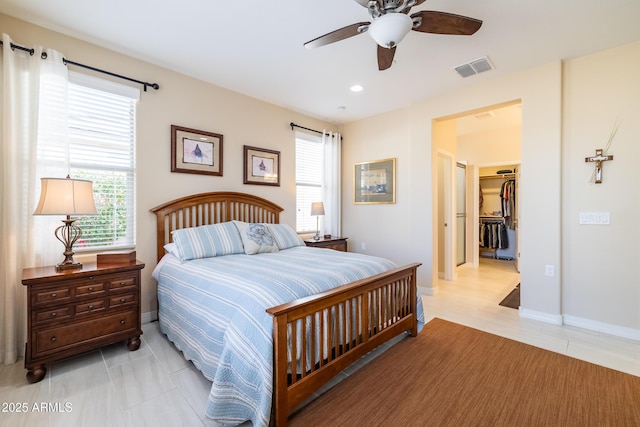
(317, 208)
(389, 29)
(65, 196)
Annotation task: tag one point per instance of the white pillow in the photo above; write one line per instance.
(285, 236)
(172, 249)
(256, 238)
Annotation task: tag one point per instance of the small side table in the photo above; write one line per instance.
(75, 311)
(335, 243)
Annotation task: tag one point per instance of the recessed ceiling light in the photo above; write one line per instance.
(357, 88)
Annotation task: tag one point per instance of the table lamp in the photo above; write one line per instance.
(60, 196)
(317, 209)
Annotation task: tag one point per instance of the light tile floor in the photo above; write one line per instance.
(156, 386)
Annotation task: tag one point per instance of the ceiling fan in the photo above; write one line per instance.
(391, 22)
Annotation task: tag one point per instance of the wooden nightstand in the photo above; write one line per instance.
(75, 311)
(336, 243)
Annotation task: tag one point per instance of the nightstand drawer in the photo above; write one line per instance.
(54, 294)
(122, 283)
(90, 307)
(335, 243)
(94, 288)
(56, 338)
(121, 300)
(49, 315)
(336, 246)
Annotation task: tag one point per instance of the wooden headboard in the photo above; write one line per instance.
(211, 208)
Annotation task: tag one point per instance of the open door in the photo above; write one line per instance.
(446, 220)
(461, 214)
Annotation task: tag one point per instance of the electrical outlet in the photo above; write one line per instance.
(363, 246)
(549, 270)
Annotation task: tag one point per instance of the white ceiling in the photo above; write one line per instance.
(255, 47)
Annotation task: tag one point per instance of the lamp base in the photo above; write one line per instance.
(317, 236)
(68, 234)
(64, 266)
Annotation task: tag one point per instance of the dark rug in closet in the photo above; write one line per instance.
(513, 299)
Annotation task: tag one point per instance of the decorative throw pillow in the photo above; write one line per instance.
(285, 236)
(207, 241)
(257, 238)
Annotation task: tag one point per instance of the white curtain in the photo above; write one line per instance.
(332, 146)
(31, 85)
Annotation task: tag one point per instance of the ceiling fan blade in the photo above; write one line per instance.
(336, 36)
(446, 23)
(385, 57)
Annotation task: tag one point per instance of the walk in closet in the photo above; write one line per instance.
(497, 212)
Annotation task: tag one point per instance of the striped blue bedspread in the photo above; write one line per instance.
(213, 310)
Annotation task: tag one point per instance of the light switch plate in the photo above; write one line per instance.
(595, 218)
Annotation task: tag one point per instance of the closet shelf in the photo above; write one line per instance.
(502, 175)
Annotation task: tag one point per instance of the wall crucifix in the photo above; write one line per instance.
(598, 159)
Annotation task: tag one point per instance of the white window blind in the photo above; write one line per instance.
(308, 180)
(102, 123)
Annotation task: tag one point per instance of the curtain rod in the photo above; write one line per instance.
(311, 130)
(66, 61)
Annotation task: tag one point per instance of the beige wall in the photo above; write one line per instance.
(370, 224)
(187, 102)
(498, 146)
(601, 283)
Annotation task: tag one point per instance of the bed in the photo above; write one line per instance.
(270, 328)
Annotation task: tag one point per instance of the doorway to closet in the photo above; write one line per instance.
(488, 143)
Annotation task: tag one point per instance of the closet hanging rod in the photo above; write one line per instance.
(66, 61)
(502, 175)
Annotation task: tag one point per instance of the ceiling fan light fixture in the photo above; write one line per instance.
(389, 29)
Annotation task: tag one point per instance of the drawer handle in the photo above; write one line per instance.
(90, 277)
(90, 307)
(122, 322)
(90, 288)
(53, 295)
(122, 283)
(54, 314)
(121, 300)
(53, 339)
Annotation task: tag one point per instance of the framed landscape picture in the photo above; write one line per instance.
(375, 182)
(196, 151)
(261, 166)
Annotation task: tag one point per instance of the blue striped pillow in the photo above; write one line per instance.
(285, 236)
(207, 241)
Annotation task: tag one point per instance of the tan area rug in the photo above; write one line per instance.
(452, 375)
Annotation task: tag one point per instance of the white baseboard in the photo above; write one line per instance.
(554, 319)
(606, 328)
(149, 317)
(423, 290)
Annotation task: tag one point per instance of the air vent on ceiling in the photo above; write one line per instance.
(474, 67)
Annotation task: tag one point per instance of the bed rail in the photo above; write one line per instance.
(317, 337)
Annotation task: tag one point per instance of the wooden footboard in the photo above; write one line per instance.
(315, 338)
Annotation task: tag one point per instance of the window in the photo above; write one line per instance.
(102, 149)
(309, 165)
